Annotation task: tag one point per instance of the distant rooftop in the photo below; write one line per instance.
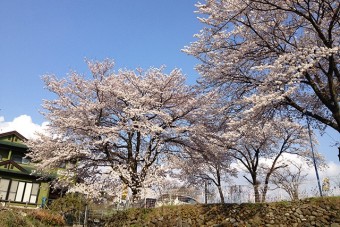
(13, 133)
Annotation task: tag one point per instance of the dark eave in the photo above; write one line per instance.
(10, 144)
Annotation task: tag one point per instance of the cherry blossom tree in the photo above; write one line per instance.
(259, 147)
(204, 158)
(273, 54)
(204, 162)
(290, 178)
(115, 124)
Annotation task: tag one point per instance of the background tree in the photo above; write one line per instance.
(167, 185)
(117, 122)
(290, 178)
(259, 149)
(205, 163)
(273, 54)
(204, 158)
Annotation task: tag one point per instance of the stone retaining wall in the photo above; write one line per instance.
(314, 212)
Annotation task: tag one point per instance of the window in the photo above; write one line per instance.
(4, 183)
(4, 153)
(20, 159)
(25, 160)
(27, 193)
(34, 193)
(19, 191)
(13, 190)
(17, 158)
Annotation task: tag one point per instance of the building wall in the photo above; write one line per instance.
(23, 191)
(18, 182)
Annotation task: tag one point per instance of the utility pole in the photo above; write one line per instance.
(314, 161)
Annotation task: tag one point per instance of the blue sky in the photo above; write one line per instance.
(40, 37)
(48, 36)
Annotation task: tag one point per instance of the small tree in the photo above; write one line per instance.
(211, 165)
(259, 149)
(116, 124)
(289, 178)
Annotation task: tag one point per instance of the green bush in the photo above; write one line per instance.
(9, 218)
(71, 206)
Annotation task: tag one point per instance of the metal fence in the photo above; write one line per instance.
(307, 189)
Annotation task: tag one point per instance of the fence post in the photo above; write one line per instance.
(85, 215)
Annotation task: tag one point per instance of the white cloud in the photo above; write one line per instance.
(22, 124)
(333, 170)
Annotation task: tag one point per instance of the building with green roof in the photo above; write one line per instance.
(19, 182)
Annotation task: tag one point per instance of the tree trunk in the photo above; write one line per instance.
(135, 194)
(295, 193)
(295, 196)
(264, 192)
(219, 183)
(256, 193)
(220, 193)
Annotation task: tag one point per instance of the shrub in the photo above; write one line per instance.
(47, 217)
(71, 206)
(10, 218)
